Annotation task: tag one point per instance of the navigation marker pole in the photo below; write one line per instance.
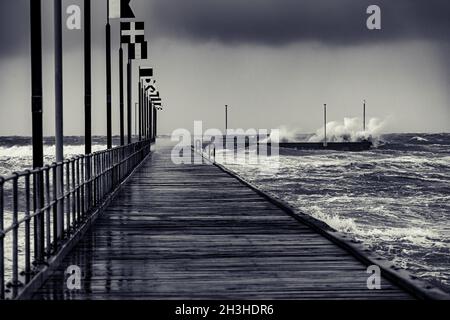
(226, 119)
(325, 143)
(364, 116)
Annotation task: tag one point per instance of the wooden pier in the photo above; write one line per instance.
(196, 232)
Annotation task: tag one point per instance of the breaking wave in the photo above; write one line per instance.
(349, 131)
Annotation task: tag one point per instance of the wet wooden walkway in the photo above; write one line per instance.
(195, 232)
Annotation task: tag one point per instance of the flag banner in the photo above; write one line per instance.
(132, 32)
(155, 99)
(149, 84)
(120, 9)
(137, 51)
(145, 72)
(155, 96)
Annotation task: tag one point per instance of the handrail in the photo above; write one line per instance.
(41, 209)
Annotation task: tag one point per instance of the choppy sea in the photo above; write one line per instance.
(394, 198)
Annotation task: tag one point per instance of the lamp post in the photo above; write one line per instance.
(226, 119)
(325, 144)
(364, 116)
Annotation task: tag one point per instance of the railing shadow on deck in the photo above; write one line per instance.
(44, 211)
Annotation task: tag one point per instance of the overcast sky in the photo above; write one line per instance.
(275, 62)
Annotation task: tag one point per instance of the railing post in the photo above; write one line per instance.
(78, 190)
(74, 199)
(61, 203)
(55, 206)
(88, 182)
(15, 242)
(27, 227)
(2, 245)
(39, 225)
(47, 211)
(67, 191)
(83, 187)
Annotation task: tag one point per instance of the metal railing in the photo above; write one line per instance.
(42, 209)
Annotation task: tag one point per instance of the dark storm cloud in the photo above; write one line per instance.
(275, 22)
(14, 24)
(269, 22)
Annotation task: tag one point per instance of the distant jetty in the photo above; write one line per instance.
(338, 146)
(325, 145)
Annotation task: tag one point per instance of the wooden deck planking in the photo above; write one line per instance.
(194, 232)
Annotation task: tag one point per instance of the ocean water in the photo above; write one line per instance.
(394, 198)
(16, 152)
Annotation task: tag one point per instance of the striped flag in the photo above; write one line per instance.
(132, 32)
(156, 100)
(137, 51)
(120, 9)
(149, 85)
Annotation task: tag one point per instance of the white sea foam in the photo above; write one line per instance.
(27, 151)
(287, 133)
(346, 225)
(421, 236)
(419, 139)
(349, 130)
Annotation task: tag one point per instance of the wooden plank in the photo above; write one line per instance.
(194, 232)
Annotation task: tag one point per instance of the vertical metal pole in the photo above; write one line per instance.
(87, 76)
(364, 116)
(226, 119)
(325, 144)
(27, 227)
(136, 120)
(38, 151)
(59, 132)
(145, 120)
(140, 106)
(2, 245)
(87, 105)
(55, 208)
(150, 119)
(129, 99)
(144, 113)
(108, 83)
(144, 116)
(122, 113)
(155, 115)
(15, 242)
